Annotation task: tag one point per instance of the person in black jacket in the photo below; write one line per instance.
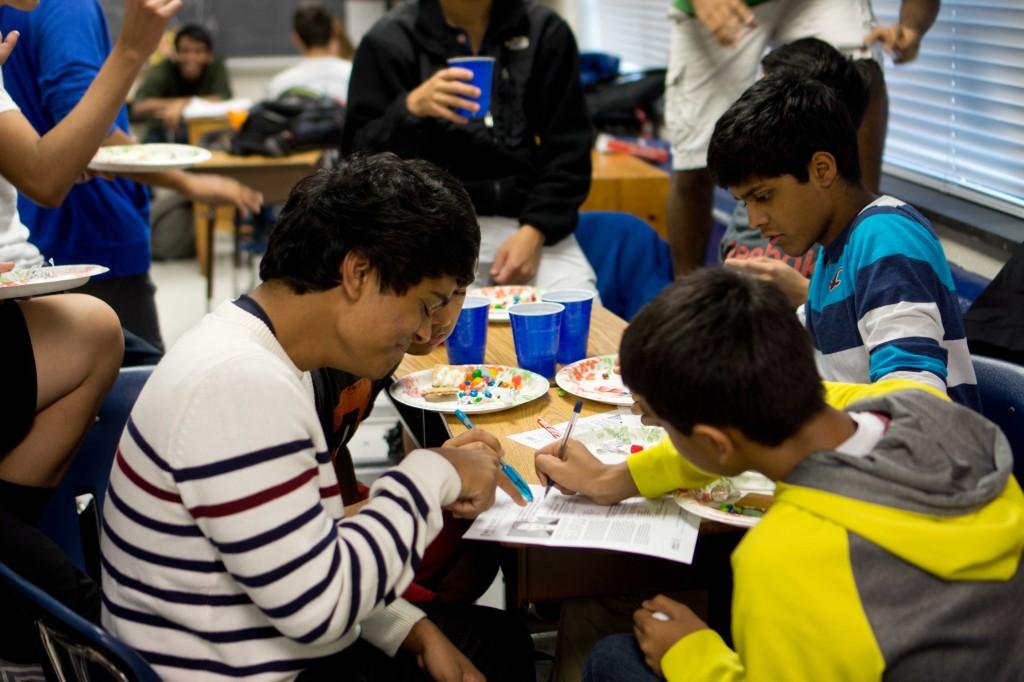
(526, 165)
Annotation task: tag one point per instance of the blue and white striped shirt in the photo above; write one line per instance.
(882, 304)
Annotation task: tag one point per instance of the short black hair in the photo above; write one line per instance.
(410, 219)
(196, 33)
(314, 25)
(721, 348)
(774, 129)
(817, 60)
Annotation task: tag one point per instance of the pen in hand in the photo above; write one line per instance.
(507, 469)
(565, 441)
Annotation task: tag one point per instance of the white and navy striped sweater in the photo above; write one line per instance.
(225, 552)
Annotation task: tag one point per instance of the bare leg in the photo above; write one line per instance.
(871, 133)
(689, 218)
(78, 343)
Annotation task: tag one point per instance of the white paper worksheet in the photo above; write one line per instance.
(658, 528)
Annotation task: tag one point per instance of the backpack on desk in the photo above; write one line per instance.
(289, 124)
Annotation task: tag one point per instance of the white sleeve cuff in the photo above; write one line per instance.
(389, 627)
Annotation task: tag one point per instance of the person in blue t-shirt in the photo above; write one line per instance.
(63, 46)
(881, 302)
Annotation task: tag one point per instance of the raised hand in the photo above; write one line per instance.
(144, 24)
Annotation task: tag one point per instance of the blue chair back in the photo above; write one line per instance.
(77, 649)
(632, 262)
(968, 285)
(90, 470)
(1001, 385)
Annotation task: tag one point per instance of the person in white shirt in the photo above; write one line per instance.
(322, 71)
(226, 548)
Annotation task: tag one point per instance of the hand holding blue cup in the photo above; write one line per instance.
(468, 339)
(535, 328)
(575, 330)
(483, 77)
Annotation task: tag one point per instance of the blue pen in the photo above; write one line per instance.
(512, 474)
(565, 440)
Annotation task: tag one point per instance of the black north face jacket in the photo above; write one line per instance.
(531, 161)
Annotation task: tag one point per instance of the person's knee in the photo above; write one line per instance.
(98, 332)
(613, 658)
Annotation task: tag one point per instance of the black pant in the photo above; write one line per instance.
(495, 641)
(133, 299)
(30, 553)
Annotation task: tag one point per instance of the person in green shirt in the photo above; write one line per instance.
(170, 84)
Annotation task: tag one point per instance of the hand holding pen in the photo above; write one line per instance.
(565, 440)
(520, 485)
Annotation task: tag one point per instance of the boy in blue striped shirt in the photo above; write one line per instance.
(881, 302)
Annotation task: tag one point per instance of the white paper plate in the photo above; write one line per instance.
(409, 389)
(597, 378)
(46, 280)
(748, 482)
(505, 296)
(144, 158)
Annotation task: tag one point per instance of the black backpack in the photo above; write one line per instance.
(621, 105)
(289, 124)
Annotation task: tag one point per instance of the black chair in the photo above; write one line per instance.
(77, 649)
(1001, 385)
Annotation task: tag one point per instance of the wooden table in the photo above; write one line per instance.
(605, 332)
(621, 182)
(537, 574)
(273, 176)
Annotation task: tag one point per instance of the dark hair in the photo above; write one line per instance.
(196, 33)
(723, 349)
(774, 129)
(817, 60)
(313, 25)
(410, 219)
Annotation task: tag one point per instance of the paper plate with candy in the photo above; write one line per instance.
(470, 388)
(598, 378)
(504, 297)
(737, 501)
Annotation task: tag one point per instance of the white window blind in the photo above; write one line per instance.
(635, 30)
(956, 114)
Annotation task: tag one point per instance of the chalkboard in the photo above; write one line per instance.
(240, 28)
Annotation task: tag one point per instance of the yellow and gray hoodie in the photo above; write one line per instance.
(903, 564)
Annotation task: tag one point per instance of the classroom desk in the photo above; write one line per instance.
(272, 176)
(620, 182)
(538, 574)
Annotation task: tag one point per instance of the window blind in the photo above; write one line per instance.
(956, 114)
(635, 30)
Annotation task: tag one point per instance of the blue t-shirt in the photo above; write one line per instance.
(62, 46)
(882, 304)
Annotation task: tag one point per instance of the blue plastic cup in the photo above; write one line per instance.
(468, 339)
(483, 77)
(535, 328)
(572, 340)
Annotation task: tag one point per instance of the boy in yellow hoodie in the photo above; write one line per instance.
(893, 546)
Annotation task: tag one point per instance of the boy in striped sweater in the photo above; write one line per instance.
(226, 551)
(881, 303)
